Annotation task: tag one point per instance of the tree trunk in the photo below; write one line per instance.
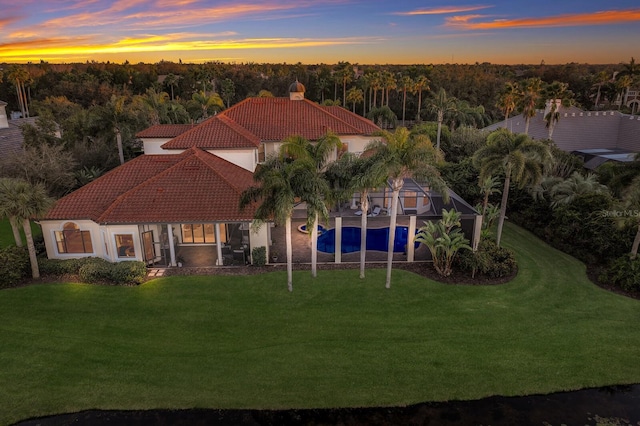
(20, 99)
(119, 143)
(485, 203)
(404, 106)
(287, 239)
(314, 246)
(397, 186)
(16, 231)
(35, 271)
(503, 206)
(419, 105)
(636, 243)
(440, 117)
(364, 207)
(527, 120)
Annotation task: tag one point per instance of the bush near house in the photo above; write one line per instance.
(14, 265)
(624, 273)
(489, 260)
(96, 270)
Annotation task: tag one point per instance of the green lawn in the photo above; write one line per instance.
(6, 235)
(245, 342)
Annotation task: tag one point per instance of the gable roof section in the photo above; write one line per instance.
(364, 125)
(218, 132)
(274, 119)
(194, 186)
(164, 131)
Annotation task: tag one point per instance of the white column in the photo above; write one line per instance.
(172, 249)
(411, 234)
(216, 231)
(338, 245)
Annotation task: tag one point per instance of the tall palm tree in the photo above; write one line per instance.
(172, 81)
(19, 76)
(622, 87)
(344, 74)
(531, 90)
(277, 198)
(421, 84)
(376, 84)
(516, 157)
(599, 80)
(488, 186)
(6, 187)
(441, 105)
(557, 93)
(507, 101)
(22, 201)
(354, 96)
(388, 83)
(407, 84)
(156, 105)
(308, 181)
(405, 155)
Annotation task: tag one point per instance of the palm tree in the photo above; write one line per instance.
(517, 157)
(351, 174)
(421, 83)
(308, 182)
(531, 90)
(507, 101)
(22, 201)
(228, 90)
(20, 76)
(207, 103)
(441, 105)
(406, 83)
(622, 87)
(557, 93)
(600, 79)
(388, 83)
(488, 186)
(404, 155)
(172, 81)
(277, 197)
(566, 191)
(156, 105)
(6, 212)
(376, 84)
(383, 117)
(344, 74)
(354, 96)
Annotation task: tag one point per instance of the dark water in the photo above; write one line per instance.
(615, 405)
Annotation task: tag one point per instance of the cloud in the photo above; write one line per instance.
(442, 10)
(472, 22)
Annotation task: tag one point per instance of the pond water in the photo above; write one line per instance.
(614, 405)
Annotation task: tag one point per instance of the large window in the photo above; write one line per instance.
(198, 233)
(72, 240)
(124, 245)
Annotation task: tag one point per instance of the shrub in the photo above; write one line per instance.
(624, 273)
(131, 272)
(259, 256)
(58, 267)
(490, 260)
(95, 271)
(14, 265)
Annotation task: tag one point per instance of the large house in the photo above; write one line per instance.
(179, 202)
(597, 136)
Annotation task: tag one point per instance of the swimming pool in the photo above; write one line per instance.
(377, 239)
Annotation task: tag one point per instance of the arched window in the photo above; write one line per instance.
(72, 240)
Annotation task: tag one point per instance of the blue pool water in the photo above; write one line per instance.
(377, 239)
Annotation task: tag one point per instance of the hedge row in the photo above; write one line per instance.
(96, 270)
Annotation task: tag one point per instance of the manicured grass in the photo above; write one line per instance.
(245, 342)
(6, 234)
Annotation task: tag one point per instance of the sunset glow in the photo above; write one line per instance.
(311, 31)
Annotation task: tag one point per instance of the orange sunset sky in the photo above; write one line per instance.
(320, 31)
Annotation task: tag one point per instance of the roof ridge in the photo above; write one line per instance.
(238, 128)
(325, 111)
(201, 152)
(119, 198)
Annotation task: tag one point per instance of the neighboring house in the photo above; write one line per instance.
(11, 132)
(610, 134)
(180, 200)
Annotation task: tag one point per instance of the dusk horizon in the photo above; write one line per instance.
(315, 32)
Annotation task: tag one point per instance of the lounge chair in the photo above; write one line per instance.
(376, 211)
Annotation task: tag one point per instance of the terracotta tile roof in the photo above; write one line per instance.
(164, 131)
(366, 126)
(218, 132)
(194, 186)
(274, 119)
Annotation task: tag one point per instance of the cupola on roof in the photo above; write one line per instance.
(296, 87)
